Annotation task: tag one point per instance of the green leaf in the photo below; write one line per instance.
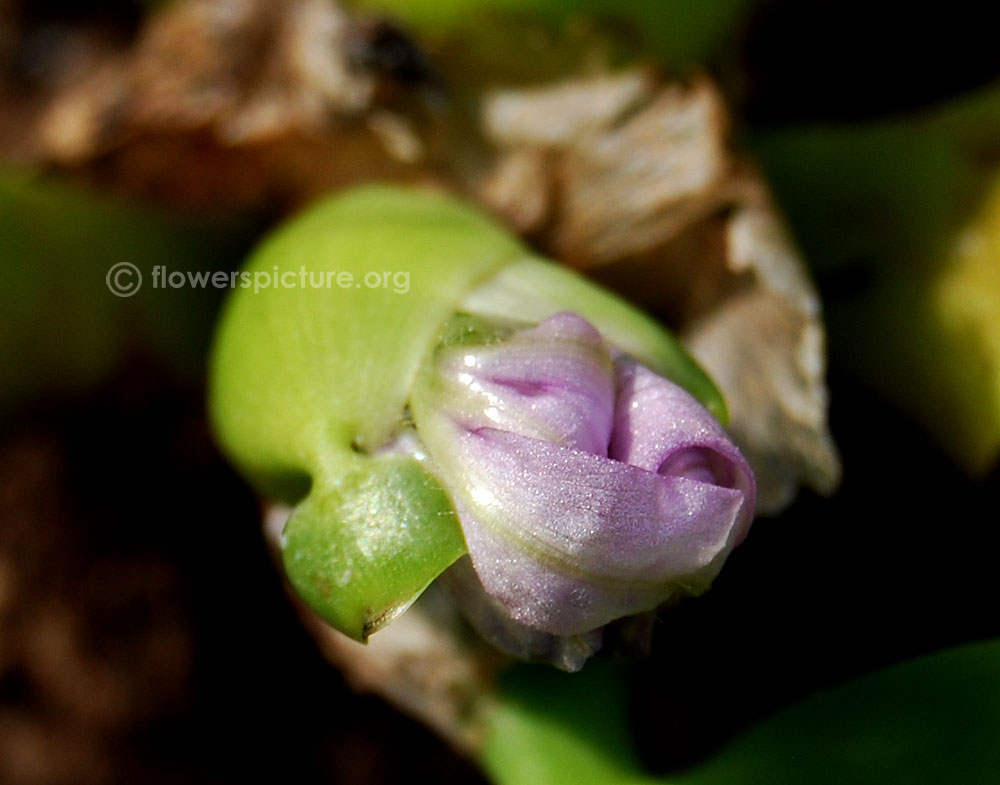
(930, 720)
(553, 728)
(308, 373)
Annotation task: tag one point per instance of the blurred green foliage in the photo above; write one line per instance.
(927, 721)
(901, 221)
(677, 31)
(62, 331)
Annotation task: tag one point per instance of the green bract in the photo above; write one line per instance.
(315, 357)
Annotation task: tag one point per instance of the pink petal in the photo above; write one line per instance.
(659, 426)
(568, 541)
(554, 382)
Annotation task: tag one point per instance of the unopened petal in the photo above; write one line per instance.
(568, 541)
(660, 427)
(553, 382)
(587, 489)
(492, 621)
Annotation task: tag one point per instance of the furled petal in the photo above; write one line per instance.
(660, 427)
(492, 621)
(569, 541)
(563, 534)
(554, 382)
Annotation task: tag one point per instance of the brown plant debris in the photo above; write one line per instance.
(238, 103)
(83, 659)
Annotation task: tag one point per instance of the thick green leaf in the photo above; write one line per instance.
(306, 376)
(929, 721)
(554, 728)
(369, 540)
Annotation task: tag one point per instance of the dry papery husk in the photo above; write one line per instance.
(623, 174)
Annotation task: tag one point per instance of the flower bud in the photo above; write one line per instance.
(588, 487)
(493, 408)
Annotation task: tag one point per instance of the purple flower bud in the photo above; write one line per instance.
(588, 487)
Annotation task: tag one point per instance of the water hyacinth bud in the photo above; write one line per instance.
(588, 487)
(502, 408)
